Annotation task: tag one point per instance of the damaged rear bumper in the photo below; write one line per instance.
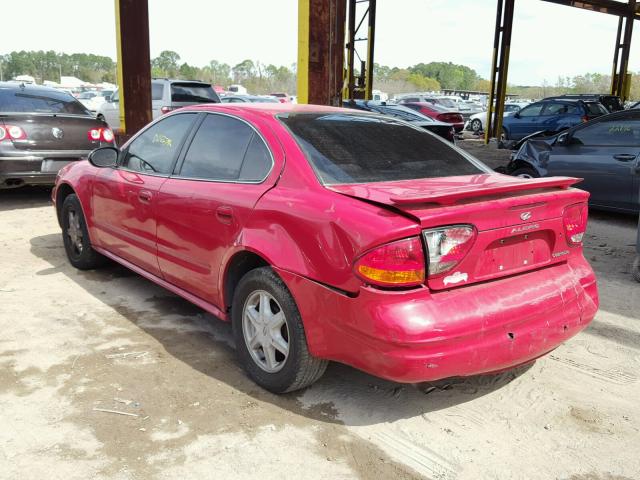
(419, 335)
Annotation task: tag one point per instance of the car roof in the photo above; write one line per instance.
(29, 86)
(267, 109)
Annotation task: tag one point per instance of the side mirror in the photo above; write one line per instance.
(516, 115)
(104, 157)
(108, 99)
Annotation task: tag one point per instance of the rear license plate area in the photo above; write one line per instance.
(515, 253)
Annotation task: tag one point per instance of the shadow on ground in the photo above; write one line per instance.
(24, 197)
(194, 337)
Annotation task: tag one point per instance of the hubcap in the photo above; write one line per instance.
(476, 126)
(74, 231)
(525, 175)
(265, 331)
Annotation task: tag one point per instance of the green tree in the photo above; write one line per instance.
(165, 64)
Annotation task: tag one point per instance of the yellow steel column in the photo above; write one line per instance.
(303, 51)
(119, 68)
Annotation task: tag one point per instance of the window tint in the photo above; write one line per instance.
(157, 89)
(155, 149)
(193, 92)
(611, 132)
(354, 148)
(594, 108)
(116, 96)
(561, 109)
(31, 100)
(225, 148)
(532, 110)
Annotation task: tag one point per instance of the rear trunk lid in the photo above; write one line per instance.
(52, 132)
(518, 221)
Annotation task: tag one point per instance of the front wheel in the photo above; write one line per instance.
(269, 334)
(75, 236)
(525, 172)
(476, 125)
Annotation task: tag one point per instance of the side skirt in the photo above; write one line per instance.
(209, 307)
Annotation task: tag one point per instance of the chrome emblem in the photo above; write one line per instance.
(525, 216)
(57, 132)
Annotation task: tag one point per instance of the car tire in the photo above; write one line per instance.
(505, 135)
(75, 236)
(476, 125)
(525, 172)
(635, 269)
(263, 315)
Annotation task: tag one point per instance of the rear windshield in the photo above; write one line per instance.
(595, 108)
(402, 113)
(363, 148)
(193, 92)
(36, 101)
(446, 102)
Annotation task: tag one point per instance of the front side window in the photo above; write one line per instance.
(532, 110)
(359, 148)
(226, 149)
(154, 150)
(611, 133)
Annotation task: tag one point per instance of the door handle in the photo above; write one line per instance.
(225, 215)
(624, 157)
(144, 196)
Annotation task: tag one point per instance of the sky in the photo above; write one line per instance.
(548, 40)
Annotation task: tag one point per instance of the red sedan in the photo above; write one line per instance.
(438, 113)
(332, 234)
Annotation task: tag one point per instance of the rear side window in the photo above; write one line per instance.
(35, 101)
(193, 92)
(594, 108)
(354, 148)
(155, 149)
(157, 89)
(561, 109)
(226, 149)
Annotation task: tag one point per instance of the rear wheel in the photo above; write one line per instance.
(75, 236)
(505, 135)
(269, 334)
(525, 172)
(476, 125)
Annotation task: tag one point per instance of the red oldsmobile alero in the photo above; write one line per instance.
(330, 234)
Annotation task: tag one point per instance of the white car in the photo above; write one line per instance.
(477, 121)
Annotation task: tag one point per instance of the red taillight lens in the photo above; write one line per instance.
(164, 110)
(575, 222)
(12, 132)
(447, 246)
(396, 264)
(101, 134)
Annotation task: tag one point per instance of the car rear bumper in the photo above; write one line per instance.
(417, 336)
(19, 168)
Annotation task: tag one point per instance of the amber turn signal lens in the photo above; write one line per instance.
(396, 264)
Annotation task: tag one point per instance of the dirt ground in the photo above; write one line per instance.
(76, 347)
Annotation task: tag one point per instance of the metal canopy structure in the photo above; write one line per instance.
(620, 80)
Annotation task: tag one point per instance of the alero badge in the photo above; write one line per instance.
(524, 216)
(57, 132)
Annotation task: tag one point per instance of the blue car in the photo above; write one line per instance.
(550, 116)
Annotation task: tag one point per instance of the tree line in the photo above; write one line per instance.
(263, 78)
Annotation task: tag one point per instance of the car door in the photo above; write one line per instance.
(203, 206)
(526, 122)
(124, 199)
(605, 154)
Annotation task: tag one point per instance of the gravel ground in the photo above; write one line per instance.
(104, 375)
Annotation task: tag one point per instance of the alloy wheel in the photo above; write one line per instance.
(265, 331)
(74, 231)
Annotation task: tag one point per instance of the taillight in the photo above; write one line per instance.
(396, 264)
(447, 246)
(575, 222)
(12, 132)
(164, 110)
(101, 134)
